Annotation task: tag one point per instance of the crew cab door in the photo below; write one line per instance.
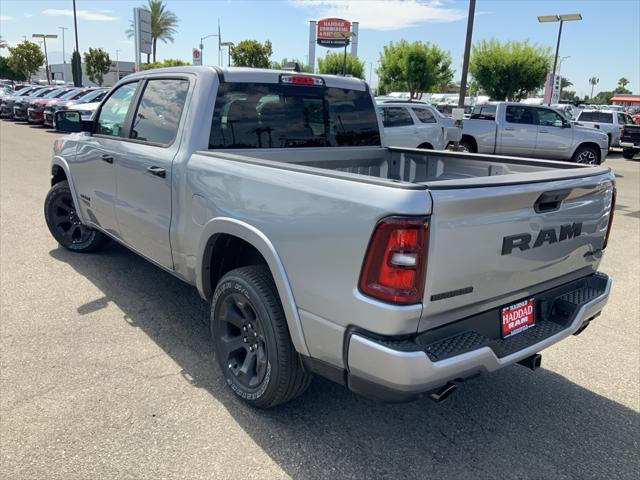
(93, 168)
(144, 167)
(399, 128)
(518, 133)
(555, 135)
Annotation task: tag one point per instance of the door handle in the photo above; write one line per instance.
(157, 171)
(509, 128)
(107, 158)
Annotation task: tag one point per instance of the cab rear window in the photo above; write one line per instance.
(259, 115)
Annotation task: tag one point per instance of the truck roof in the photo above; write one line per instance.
(257, 75)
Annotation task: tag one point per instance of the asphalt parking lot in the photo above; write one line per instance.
(107, 371)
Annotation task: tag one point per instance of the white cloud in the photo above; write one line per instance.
(91, 16)
(5, 18)
(28, 15)
(385, 15)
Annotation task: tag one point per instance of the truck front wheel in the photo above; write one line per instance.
(251, 339)
(65, 225)
(587, 155)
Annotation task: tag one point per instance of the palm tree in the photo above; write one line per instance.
(3, 43)
(163, 24)
(593, 81)
(623, 82)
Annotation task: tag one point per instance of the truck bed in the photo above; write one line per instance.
(420, 168)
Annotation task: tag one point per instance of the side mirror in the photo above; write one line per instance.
(68, 121)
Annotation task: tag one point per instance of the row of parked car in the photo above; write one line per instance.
(38, 104)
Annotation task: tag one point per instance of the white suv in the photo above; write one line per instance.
(416, 125)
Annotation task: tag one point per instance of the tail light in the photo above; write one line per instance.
(621, 132)
(613, 207)
(395, 263)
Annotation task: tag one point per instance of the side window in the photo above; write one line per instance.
(604, 117)
(549, 118)
(586, 116)
(114, 112)
(424, 115)
(519, 114)
(396, 117)
(158, 115)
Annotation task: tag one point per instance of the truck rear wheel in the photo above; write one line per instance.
(628, 153)
(466, 145)
(65, 225)
(251, 339)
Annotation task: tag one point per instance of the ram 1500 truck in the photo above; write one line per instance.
(505, 128)
(394, 271)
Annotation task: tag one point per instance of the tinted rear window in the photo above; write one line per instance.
(484, 112)
(605, 117)
(586, 117)
(258, 115)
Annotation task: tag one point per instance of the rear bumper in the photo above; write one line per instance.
(630, 145)
(394, 370)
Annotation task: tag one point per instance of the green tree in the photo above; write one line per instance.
(76, 68)
(510, 70)
(623, 82)
(164, 25)
(97, 64)
(25, 58)
(275, 65)
(3, 43)
(602, 98)
(414, 67)
(593, 81)
(169, 62)
(251, 53)
(6, 71)
(334, 63)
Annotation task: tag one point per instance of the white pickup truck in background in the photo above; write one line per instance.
(505, 128)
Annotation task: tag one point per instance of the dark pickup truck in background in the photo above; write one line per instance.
(630, 141)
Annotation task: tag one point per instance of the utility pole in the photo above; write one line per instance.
(467, 51)
(76, 59)
(64, 58)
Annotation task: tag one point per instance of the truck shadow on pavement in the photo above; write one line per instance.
(512, 424)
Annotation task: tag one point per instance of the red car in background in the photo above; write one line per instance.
(35, 109)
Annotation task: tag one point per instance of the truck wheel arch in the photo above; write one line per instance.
(470, 142)
(595, 146)
(60, 173)
(239, 232)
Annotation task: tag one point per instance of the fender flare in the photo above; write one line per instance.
(253, 236)
(60, 162)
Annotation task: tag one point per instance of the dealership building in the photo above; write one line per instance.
(61, 72)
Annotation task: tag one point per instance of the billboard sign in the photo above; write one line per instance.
(197, 56)
(552, 89)
(333, 32)
(144, 30)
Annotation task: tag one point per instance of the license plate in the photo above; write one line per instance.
(517, 318)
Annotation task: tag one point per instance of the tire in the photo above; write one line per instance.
(425, 146)
(251, 339)
(64, 223)
(465, 145)
(586, 155)
(628, 153)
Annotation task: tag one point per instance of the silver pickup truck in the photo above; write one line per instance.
(395, 272)
(505, 128)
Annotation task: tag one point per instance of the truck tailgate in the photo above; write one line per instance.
(492, 246)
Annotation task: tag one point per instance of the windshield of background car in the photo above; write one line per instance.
(55, 93)
(72, 94)
(92, 95)
(255, 115)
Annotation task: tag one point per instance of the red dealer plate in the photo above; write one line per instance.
(517, 318)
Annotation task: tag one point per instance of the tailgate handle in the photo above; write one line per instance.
(550, 201)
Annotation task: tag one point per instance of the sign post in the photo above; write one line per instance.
(196, 55)
(142, 33)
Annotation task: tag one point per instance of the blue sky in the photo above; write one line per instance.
(606, 44)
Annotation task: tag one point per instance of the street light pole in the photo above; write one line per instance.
(76, 60)
(46, 56)
(467, 52)
(117, 67)
(202, 39)
(64, 59)
(565, 17)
